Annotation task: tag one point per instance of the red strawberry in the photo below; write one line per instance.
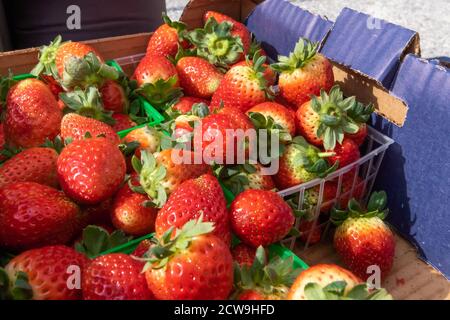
(238, 29)
(324, 119)
(346, 153)
(2, 141)
(323, 275)
(239, 118)
(166, 38)
(91, 170)
(123, 122)
(360, 114)
(360, 136)
(304, 73)
(149, 138)
(307, 233)
(34, 215)
(98, 214)
(46, 270)
(115, 276)
(260, 217)
(243, 254)
(184, 104)
(198, 77)
(131, 214)
(279, 113)
(195, 197)
(362, 239)
(346, 188)
(32, 114)
(76, 127)
(34, 165)
(269, 74)
(114, 97)
(142, 248)
(237, 178)
(53, 85)
(242, 87)
(195, 265)
(162, 173)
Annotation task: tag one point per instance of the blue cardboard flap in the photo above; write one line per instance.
(368, 45)
(416, 169)
(279, 24)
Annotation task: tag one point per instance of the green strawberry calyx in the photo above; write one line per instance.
(87, 103)
(257, 63)
(87, 71)
(216, 44)
(376, 207)
(46, 57)
(261, 121)
(235, 177)
(334, 121)
(168, 244)
(303, 53)
(336, 291)
(96, 240)
(161, 92)
(17, 288)
(360, 113)
(273, 277)
(151, 178)
(178, 25)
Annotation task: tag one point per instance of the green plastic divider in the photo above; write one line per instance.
(23, 76)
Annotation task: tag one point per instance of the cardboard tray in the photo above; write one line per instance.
(378, 65)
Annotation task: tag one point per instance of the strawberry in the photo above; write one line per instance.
(75, 127)
(142, 248)
(346, 188)
(193, 265)
(184, 104)
(162, 173)
(360, 136)
(195, 197)
(243, 254)
(238, 117)
(304, 73)
(331, 282)
(32, 114)
(97, 214)
(360, 114)
(345, 153)
(362, 239)
(53, 85)
(91, 170)
(34, 165)
(114, 97)
(242, 86)
(43, 274)
(34, 215)
(131, 213)
(324, 121)
(269, 74)
(2, 142)
(300, 163)
(158, 80)
(238, 29)
(279, 113)
(115, 276)
(260, 217)
(54, 57)
(166, 38)
(263, 280)
(198, 77)
(149, 138)
(307, 233)
(122, 122)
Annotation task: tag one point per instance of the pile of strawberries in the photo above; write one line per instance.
(72, 187)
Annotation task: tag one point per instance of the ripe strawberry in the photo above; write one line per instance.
(238, 117)
(32, 114)
(166, 38)
(260, 217)
(184, 104)
(269, 74)
(304, 73)
(323, 120)
(362, 239)
(243, 254)
(142, 248)
(131, 214)
(114, 97)
(307, 233)
(2, 142)
(149, 138)
(360, 114)
(53, 85)
(198, 77)
(323, 275)
(279, 113)
(201, 196)
(300, 163)
(34, 215)
(33, 165)
(97, 214)
(346, 189)
(75, 127)
(91, 170)
(242, 86)
(263, 280)
(194, 265)
(346, 153)
(54, 57)
(43, 274)
(238, 28)
(123, 122)
(360, 136)
(162, 173)
(158, 80)
(115, 276)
